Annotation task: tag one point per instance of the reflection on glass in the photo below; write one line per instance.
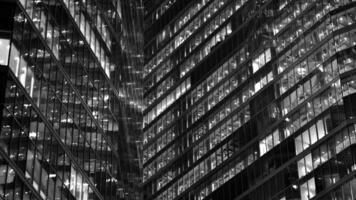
(4, 51)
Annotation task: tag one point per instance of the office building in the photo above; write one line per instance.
(249, 100)
(62, 101)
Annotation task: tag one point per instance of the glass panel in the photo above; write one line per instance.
(308, 163)
(311, 188)
(313, 134)
(301, 168)
(298, 144)
(4, 51)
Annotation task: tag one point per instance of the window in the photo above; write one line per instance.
(306, 139)
(301, 168)
(269, 142)
(307, 189)
(313, 134)
(4, 51)
(298, 144)
(263, 147)
(305, 165)
(261, 60)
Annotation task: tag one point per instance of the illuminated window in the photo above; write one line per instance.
(307, 189)
(4, 51)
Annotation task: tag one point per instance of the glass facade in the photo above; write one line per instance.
(249, 99)
(129, 82)
(61, 123)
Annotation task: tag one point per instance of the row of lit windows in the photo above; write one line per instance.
(218, 95)
(301, 93)
(264, 148)
(302, 69)
(220, 132)
(236, 167)
(320, 155)
(315, 133)
(215, 78)
(62, 113)
(92, 9)
(264, 58)
(229, 67)
(269, 142)
(166, 102)
(26, 75)
(337, 22)
(162, 9)
(231, 124)
(185, 33)
(310, 18)
(322, 76)
(176, 25)
(102, 29)
(30, 80)
(32, 83)
(277, 139)
(305, 67)
(28, 67)
(197, 23)
(162, 141)
(166, 52)
(159, 91)
(157, 12)
(330, 154)
(24, 123)
(302, 48)
(261, 60)
(331, 102)
(228, 24)
(158, 75)
(160, 162)
(210, 163)
(218, 180)
(52, 37)
(47, 30)
(257, 63)
(220, 19)
(220, 115)
(91, 38)
(291, 12)
(217, 159)
(35, 69)
(301, 117)
(198, 56)
(160, 125)
(20, 66)
(327, 150)
(309, 137)
(304, 141)
(191, 62)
